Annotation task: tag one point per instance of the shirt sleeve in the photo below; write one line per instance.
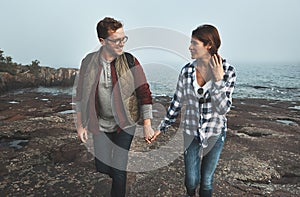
(146, 111)
(221, 93)
(79, 84)
(142, 90)
(175, 106)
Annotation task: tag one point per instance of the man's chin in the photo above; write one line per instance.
(116, 53)
(119, 52)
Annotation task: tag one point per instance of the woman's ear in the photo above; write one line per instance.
(208, 46)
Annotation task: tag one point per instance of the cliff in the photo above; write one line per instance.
(14, 76)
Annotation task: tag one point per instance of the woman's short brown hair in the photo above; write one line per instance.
(209, 35)
(107, 26)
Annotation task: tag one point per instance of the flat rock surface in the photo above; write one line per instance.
(41, 155)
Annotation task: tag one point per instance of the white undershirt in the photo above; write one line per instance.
(206, 86)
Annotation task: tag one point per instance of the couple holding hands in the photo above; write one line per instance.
(112, 93)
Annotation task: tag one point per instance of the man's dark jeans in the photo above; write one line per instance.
(111, 157)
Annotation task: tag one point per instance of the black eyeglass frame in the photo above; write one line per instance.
(119, 40)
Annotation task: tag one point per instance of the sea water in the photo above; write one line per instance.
(275, 82)
(279, 82)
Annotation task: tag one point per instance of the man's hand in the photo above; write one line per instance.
(82, 134)
(148, 133)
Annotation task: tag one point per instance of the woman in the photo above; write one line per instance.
(205, 88)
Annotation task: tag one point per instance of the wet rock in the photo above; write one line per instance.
(49, 118)
(260, 156)
(250, 169)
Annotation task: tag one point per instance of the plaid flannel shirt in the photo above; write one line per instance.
(201, 119)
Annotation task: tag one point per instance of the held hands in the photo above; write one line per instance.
(148, 133)
(216, 66)
(157, 133)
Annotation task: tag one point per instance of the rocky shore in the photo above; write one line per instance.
(41, 155)
(14, 76)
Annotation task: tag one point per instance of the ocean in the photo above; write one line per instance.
(274, 82)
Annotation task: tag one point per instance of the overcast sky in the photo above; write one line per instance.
(59, 33)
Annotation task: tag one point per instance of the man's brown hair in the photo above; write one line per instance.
(107, 26)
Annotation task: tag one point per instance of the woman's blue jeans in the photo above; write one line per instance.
(111, 157)
(199, 171)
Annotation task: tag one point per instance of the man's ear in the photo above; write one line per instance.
(102, 41)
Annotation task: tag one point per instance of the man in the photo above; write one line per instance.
(111, 93)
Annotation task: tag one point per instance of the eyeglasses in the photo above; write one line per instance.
(119, 40)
